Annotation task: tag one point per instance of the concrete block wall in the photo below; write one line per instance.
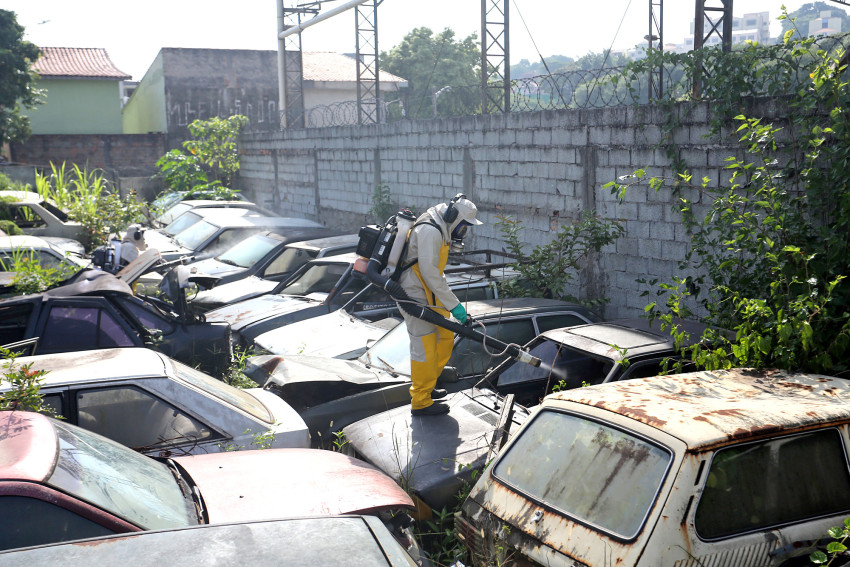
(543, 168)
(119, 155)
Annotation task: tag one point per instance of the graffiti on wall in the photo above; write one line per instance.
(260, 110)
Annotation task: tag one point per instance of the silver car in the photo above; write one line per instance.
(160, 406)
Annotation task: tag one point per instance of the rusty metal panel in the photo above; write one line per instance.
(710, 409)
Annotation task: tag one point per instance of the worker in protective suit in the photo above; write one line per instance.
(423, 279)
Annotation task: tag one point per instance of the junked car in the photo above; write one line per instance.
(99, 310)
(327, 284)
(416, 450)
(356, 540)
(61, 482)
(37, 216)
(49, 254)
(219, 231)
(264, 260)
(332, 393)
(162, 239)
(735, 467)
(159, 406)
(170, 214)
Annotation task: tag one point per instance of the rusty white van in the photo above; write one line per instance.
(735, 467)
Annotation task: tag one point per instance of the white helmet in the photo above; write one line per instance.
(461, 209)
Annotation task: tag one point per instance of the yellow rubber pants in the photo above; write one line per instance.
(437, 346)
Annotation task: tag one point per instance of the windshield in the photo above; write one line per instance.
(249, 251)
(135, 487)
(562, 366)
(318, 278)
(234, 396)
(290, 260)
(391, 352)
(604, 477)
(196, 234)
(181, 222)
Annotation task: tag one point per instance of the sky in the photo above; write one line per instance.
(133, 32)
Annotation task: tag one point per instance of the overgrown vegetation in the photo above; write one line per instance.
(546, 271)
(90, 199)
(31, 276)
(382, 205)
(208, 162)
(24, 385)
(768, 252)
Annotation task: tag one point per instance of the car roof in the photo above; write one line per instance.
(68, 368)
(206, 203)
(91, 281)
(225, 218)
(346, 258)
(21, 196)
(12, 242)
(356, 540)
(631, 337)
(27, 446)
(326, 242)
(520, 306)
(709, 409)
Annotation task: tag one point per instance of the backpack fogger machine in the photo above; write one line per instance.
(381, 249)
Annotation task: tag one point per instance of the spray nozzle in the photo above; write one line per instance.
(523, 356)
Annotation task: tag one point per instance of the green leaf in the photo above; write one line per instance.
(836, 547)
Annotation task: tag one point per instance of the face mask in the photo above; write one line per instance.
(460, 230)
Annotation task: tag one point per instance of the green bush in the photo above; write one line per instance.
(89, 199)
(547, 270)
(770, 257)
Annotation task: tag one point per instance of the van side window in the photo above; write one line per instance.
(779, 481)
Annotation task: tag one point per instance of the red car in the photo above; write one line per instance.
(60, 482)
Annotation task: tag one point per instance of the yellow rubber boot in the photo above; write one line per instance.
(423, 375)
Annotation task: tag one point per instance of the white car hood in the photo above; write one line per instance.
(330, 335)
(296, 368)
(232, 292)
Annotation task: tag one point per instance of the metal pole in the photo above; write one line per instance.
(281, 49)
(321, 17)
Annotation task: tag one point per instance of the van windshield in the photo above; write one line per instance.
(603, 477)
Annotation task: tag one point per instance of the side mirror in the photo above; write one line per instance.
(449, 375)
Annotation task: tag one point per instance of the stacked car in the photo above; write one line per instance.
(571, 440)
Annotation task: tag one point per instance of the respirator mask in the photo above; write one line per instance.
(458, 235)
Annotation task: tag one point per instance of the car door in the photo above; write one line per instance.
(83, 323)
(45, 515)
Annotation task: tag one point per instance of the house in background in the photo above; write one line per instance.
(83, 92)
(185, 84)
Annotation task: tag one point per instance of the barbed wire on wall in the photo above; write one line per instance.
(774, 69)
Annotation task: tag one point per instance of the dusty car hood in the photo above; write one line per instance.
(239, 290)
(434, 454)
(276, 483)
(244, 313)
(159, 241)
(297, 368)
(215, 267)
(332, 334)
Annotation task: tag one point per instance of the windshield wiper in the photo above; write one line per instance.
(229, 262)
(189, 491)
(389, 367)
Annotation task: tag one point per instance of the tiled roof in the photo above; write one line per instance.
(77, 62)
(322, 66)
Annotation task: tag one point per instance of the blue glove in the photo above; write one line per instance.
(459, 313)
